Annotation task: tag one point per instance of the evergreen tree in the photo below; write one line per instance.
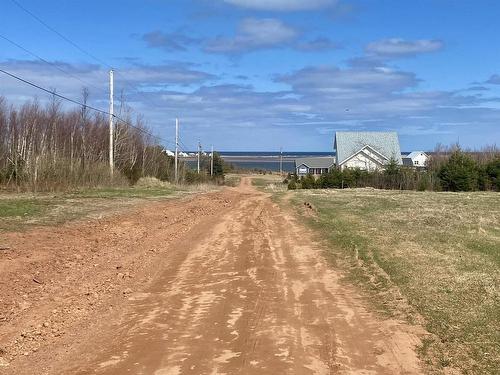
(459, 173)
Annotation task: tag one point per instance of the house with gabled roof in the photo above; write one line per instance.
(314, 166)
(417, 159)
(366, 150)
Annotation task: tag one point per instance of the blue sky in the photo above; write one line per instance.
(260, 74)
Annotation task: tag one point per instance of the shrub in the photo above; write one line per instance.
(332, 179)
(308, 182)
(459, 173)
(493, 173)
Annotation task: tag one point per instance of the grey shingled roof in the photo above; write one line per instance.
(318, 162)
(348, 143)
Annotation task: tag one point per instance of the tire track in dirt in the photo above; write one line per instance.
(245, 292)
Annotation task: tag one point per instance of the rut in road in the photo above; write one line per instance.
(251, 295)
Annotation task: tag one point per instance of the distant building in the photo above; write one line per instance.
(366, 150)
(314, 166)
(416, 159)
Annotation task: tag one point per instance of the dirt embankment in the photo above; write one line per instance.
(221, 283)
(56, 283)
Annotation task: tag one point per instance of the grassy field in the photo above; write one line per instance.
(430, 258)
(269, 183)
(232, 179)
(21, 211)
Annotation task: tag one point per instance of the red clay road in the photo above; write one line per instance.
(220, 283)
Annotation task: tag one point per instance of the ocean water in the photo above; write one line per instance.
(264, 160)
(286, 154)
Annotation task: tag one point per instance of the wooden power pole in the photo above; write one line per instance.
(212, 162)
(176, 149)
(281, 161)
(111, 125)
(199, 155)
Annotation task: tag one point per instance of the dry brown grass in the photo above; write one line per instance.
(432, 258)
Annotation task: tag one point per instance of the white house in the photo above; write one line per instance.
(416, 159)
(366, 150)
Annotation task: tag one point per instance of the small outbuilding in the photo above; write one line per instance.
(314, 166)
(417, 159)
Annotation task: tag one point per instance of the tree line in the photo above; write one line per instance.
(448, 169)
(44, 148)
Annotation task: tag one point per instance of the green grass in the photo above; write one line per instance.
(260, 182)
(22, 208)
(441, 251)
(131, 192)
(269, 183)
(22, 211)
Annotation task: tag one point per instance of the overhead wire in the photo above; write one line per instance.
(58, 33)
(68, 40)
(47, 62)
(54, 93)
(82, 50)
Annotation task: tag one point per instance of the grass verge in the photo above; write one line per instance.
(431, 258)
(269, 183)
(21, 211)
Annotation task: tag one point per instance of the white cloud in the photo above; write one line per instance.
(69, 79)
(400, 47)
(282, 5)
(234, 116)
(353, 82)
(254, 34)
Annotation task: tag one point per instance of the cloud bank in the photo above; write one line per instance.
(282, 5)
(395, 47)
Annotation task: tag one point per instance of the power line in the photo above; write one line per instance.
(58, 33)
(53, 92)
(185, 148)
(74, 44)
(81, 104)
(46, 61)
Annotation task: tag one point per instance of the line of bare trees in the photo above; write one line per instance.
(44, 147)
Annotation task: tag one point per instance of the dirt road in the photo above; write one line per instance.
(225, 283)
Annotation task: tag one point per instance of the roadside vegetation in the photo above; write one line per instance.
(449, 169)
(430, 258)
(232, 180)
(20, 211)
(48, 148)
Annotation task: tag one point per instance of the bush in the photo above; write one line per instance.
(308, 182)
(292, 185)
(493, 173)
(459, 173)
(332, 179)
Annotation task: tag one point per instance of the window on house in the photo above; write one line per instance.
(311, 170)
(318, 170)
(416, 162)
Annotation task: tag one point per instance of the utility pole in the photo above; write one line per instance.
(111, 125)
(176, 149)
(212, 162)
(281, 161)
(199, 155)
